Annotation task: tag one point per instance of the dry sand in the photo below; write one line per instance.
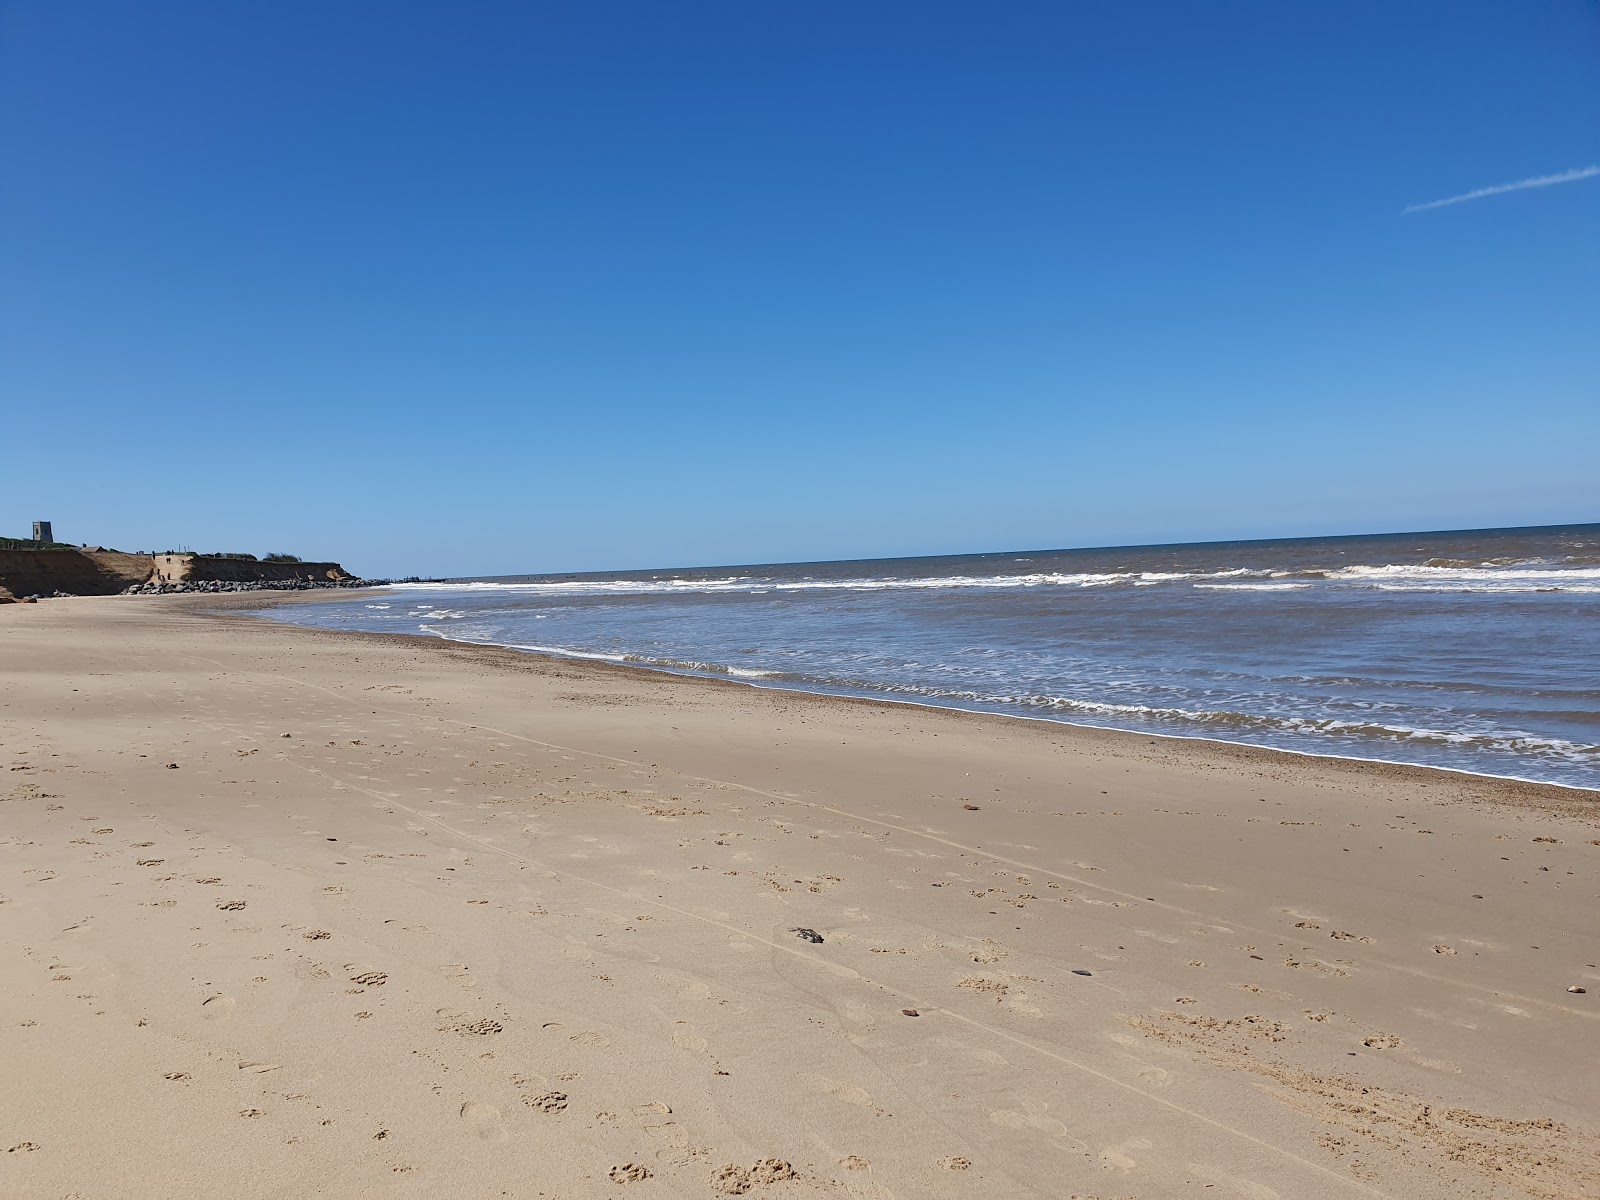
(412, 919)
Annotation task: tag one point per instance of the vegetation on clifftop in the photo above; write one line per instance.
(10, 543)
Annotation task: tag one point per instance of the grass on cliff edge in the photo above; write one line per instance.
(7, 543)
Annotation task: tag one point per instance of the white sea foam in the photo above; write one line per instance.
(1218, 722)
(1489, 577)
(880, 634)
(1509, 740)
(1252, 587)
(762, 584)
(1522, 576)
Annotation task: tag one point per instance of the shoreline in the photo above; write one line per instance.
(349, 915)
(1569, 793)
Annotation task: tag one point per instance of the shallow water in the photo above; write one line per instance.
(1478, 651)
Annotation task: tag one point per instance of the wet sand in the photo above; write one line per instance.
(295, 913)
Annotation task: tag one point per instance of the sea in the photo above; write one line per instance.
(1475, 650)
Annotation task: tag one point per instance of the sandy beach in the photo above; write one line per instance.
(290, 913)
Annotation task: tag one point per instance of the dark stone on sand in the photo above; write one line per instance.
(1081, 971)
(807, 935)
(909, 1012)
(970, 807)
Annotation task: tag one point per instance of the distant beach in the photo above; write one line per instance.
(1472, 651)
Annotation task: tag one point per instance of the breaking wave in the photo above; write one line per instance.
(1471, 651)
(1433, 575)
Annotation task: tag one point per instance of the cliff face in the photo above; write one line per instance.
(107, 572)
(78, 572)
(191, 568)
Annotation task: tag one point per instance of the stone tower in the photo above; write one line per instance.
(41, 532)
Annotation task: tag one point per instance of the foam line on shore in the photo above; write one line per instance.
(842, 694)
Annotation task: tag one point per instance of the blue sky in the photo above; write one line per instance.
(478, 287)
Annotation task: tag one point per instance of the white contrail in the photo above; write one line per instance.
(1537, 181)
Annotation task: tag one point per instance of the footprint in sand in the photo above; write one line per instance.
(1318, 966)
(691, 989)
(1154, 1076)
(1118, 1158)
(217, 1008)
(770, 1170)
(547, 1102)
(1035, 1116)
(672, 1142)
(730, 1180)
(483, 1121)
(846, 1092)
(467, 1026)
(685, 1038)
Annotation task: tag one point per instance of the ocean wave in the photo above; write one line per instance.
(1252, 587)
(1485, 573)
(760, 584)
(630, 659)
(1452, 575)
(1502, 740)
(1221, 723)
